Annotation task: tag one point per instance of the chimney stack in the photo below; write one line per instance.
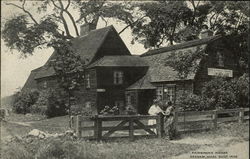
(86, 28)
(205, 32)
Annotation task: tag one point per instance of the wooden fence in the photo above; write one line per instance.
(106, 127)
(203, 120)
(132, 126)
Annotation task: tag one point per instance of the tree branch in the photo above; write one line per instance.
(22, 8)
(73, 21)
(66, 8)
(131, 24)
(62, 17)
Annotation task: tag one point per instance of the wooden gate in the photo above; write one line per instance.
(106, 127)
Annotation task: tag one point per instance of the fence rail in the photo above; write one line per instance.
(106, 127)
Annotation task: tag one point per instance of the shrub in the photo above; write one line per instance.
(23, 100)
(193, 102)
(50, 103)
(241, 90)
(221, 93)
(56, 104)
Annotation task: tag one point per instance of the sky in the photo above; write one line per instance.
(15, 70)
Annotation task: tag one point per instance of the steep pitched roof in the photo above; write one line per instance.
(159, 71)
(86, 46)
(119, 61)
(45, 71)
(143, 83)
(30, 82)
(184, 45)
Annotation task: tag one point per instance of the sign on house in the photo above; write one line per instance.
(220, 72)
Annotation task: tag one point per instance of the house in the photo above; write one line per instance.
(163, 81)
(114, 76)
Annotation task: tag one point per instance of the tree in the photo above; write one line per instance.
(167, 22)
(163, 21)
(69, 68)
(25, 32)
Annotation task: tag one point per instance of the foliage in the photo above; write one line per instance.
(25, 32)
(240, 88)
(108, 110)
(56, 104)
(193, 102)
(185, 62)
(50, 103)
(219, 93)
(162, 23)
(65, 148)
(23, 100)
(167, 22)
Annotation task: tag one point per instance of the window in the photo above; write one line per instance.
(220, 59)
(45, 84)
(159, 92)
(118, 77)
(87, 81)
(169, 93)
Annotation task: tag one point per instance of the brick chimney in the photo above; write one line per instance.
(86, 28)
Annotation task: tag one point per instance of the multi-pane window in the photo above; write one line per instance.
(87, 81)
(159, 92)
(118, 77)
(169, 93)
(220, 59)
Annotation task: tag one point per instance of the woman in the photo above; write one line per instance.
(154, 110)
(169, 126)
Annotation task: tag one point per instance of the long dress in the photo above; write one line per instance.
(169, 123)
(154, 110)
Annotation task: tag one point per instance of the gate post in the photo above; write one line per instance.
(78, 126)
(160, 125)
(97, 128)
(131, 129)
(241, 115)
(215, 118)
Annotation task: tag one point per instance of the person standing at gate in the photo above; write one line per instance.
(169, 127)
(155, 109)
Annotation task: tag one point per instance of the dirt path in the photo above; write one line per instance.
(228, 148)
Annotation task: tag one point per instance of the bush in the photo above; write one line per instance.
(56, 104)
(23, 100)
(193, 102)
(221, 93)
(50, 103)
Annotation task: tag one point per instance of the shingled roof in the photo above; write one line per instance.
(143, 83)
(119, 61)
(184, 45)
(160, 72)
(86, 46)
(30, 82)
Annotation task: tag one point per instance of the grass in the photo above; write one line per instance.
(67, 148)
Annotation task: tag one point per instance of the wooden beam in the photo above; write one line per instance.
(115, 128)
(141, 125)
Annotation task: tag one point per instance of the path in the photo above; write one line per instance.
(228, 147)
